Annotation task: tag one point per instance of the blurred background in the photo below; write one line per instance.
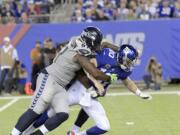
(39, 28)
(33, 31)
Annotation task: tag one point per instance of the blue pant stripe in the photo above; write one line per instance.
(39, 93)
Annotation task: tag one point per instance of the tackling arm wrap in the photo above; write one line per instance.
(106, 44)
(98, 85)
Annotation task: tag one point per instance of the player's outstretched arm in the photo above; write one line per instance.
(106, 44)
(133, 88)
(91, 69)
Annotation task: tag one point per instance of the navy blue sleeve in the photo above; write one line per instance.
(124, 75)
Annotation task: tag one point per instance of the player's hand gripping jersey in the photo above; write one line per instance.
(107, 62)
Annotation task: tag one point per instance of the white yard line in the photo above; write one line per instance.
(152, 93)
(14, 99)
(4, 107)
(17, 97)
(108, 94)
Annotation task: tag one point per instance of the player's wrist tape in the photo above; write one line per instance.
(138, 92)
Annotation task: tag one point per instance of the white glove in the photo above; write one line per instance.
(93, 93)
(143, 95)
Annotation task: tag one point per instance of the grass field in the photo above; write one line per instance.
(128, 114)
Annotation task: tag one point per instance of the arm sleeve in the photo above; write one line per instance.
(15, 55)
(124, 76)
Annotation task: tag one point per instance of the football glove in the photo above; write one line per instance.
(95, 94)
(143, 95)
(113, 77)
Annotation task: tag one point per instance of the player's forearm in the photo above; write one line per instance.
(98, 75)
(96, 83)
(91, 69)
(81, 76)
(131, 85)
(106, 44)
(133, 88)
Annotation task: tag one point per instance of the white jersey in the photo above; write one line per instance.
(63, 69)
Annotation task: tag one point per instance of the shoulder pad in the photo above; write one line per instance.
(76, 44)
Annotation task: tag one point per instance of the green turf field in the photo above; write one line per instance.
(128, 115)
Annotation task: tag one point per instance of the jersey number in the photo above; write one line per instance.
(111, 54)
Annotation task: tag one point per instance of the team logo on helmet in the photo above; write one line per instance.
(127, 57)
(92, 36)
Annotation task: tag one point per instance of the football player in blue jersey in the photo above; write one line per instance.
(110, 62)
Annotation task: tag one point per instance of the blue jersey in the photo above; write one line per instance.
(166, 11)
(107, 62)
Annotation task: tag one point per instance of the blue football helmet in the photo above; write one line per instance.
(92, 36)
(127, 57)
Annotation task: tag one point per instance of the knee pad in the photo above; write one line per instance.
(26, 120)
(41, 120)
(62, 116)
(56, 120)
